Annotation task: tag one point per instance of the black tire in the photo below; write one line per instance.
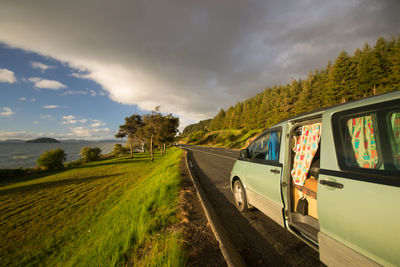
(239, 196)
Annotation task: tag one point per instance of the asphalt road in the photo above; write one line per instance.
(258, 239)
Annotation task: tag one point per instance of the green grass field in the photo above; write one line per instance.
(113, 212)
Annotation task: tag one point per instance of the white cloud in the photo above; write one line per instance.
(33, 100)
(47, 84)
(93, 93)
(17, 135)
(80, 75)
(41, 66)
(72, 92)
(51, 106)
(80, 131)
(7, 76)
(70, 119)
(101, 130)
(35, 122)
(87, 133)
(22, 98)
(45, 117)
(7, 112)
(97, 123)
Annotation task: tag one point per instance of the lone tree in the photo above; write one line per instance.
(131, 127)
(152, 128)
(169, 128)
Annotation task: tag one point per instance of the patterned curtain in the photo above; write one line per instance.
(306, 147)
(395, 120)
(363, 142)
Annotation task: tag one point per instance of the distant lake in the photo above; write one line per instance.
(15, 155)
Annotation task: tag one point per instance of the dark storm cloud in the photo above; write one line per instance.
(193, 57)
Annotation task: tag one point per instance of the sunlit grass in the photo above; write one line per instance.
(227, 138)
(112, 212)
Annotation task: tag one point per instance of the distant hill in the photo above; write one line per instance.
(43, 140)
(202, 125)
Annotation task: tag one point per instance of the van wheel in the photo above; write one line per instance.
(239, 196)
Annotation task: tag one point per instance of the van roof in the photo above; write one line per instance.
(318, 112)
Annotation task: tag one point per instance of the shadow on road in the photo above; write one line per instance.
(259, 240)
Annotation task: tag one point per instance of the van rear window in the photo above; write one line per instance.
(395, 137)
(360, 143)
(369, 140)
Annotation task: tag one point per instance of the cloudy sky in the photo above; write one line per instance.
(75, 69)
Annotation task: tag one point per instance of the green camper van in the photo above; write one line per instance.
(332, 178)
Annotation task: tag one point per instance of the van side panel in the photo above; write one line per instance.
(238, 170)
(266, 206)
(363, 216)
(333, 253)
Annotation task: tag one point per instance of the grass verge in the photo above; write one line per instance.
(113, 212)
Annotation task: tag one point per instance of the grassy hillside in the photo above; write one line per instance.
(113, 212)
(224, 138)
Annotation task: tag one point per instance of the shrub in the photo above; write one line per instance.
(117, 150)
(90, 154)
(52, 160)
(232, 137)
(72, 164)
(196, 136)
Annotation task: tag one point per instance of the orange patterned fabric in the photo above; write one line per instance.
(306, 147)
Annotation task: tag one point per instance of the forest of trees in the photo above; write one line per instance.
(369, 71)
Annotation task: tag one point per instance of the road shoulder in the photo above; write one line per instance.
(199, 242)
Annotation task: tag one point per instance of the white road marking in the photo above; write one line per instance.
(213, 154)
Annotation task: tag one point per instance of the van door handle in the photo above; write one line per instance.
(331, 184)
(275, 171)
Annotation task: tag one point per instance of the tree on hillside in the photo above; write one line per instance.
(218, 121)
(169, 129)
(131, 128)
(152, 128)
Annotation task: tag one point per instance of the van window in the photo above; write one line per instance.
(369, 140)
(266, 147)
(360, 143)
(395, 137)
